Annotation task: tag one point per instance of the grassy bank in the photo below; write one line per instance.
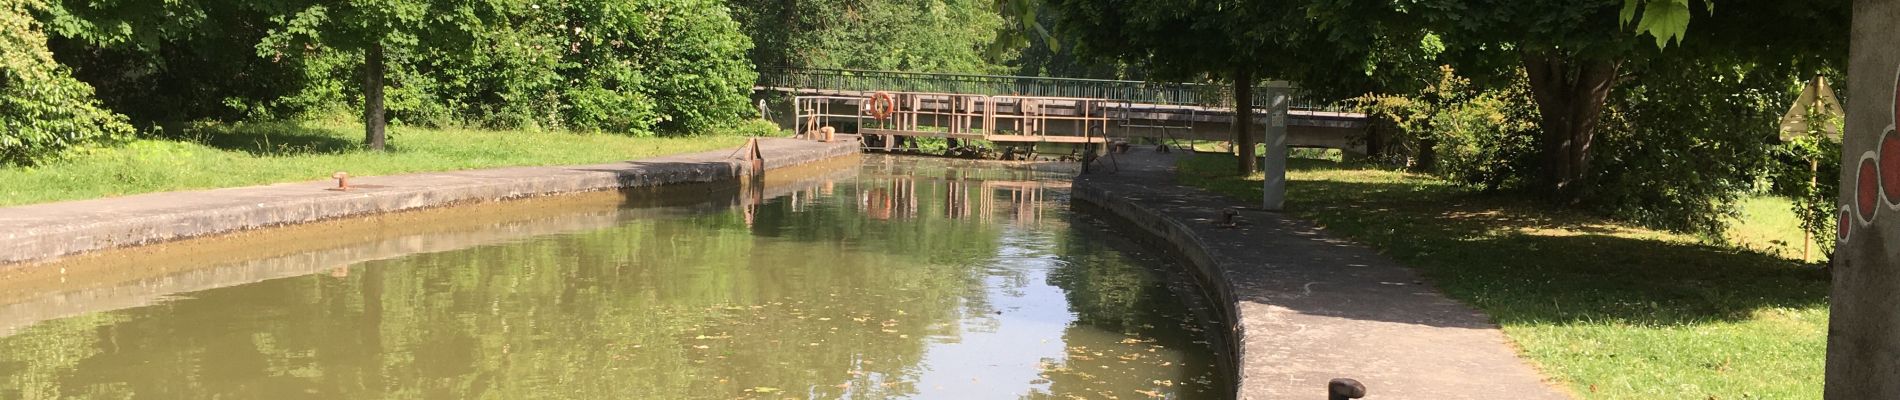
(1611, 311)
(1768, 224)
(254, 154)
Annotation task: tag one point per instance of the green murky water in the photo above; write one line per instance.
(906, 278)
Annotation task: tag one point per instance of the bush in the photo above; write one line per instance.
(1813, 189)
(1483, 138)
(43, 110)
(1489, 141)
(172, 62)
(639, 67)
(755, 127)
(699, 75)
(1678, 147)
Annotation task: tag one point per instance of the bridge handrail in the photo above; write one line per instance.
(1199, 94)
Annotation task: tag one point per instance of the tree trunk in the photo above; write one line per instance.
(1375, 138)
(1570, 94)
(374, 125)
(1243, 119)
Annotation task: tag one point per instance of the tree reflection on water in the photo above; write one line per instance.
(901, 282)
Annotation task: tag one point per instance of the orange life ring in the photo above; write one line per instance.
(888, 104)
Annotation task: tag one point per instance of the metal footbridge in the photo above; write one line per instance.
(1019, 109)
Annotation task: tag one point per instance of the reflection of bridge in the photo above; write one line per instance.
(897, 198)
(1018, 194)
(1050, 110)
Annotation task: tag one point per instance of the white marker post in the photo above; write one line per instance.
(1273, 188)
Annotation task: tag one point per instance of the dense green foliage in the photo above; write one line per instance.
(1706, 128)
(1235, 41)
(171, 62)
(671, 66)
(1508, 96)
(1800, 172)
(262, 153)
(639, 67)
(1594, 83)
(668, 66)
(1684, 141)
(893, 35)
(1488, 139)
(43, 110)
(1560, 99)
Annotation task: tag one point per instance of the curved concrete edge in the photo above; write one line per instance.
(1181, 240)
(1300, 308)
(44, 232)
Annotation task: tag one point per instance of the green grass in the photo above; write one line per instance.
(1767, 224)
(1608, 310)
(262, 153)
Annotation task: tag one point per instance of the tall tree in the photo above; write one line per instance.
(1235, 41)
(1576, 52)
(903, 35)
(374, 29)
(1572, 52)
(176, 61)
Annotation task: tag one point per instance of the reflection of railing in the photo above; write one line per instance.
(897, 198)
(1002, 85)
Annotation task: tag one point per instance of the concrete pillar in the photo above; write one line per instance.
(1863, 349)
(1273, 188)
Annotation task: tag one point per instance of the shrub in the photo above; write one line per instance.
(1678, 148)
(1813, 189)
(43, 110)
(639, 67)
(1490, 140)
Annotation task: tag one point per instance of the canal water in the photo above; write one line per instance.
(887, 277)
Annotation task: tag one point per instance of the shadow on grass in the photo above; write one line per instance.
(1523, 262)
(275, 139)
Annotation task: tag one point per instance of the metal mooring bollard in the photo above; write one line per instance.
(342, 180)
(1344, 389)
(1229, 218)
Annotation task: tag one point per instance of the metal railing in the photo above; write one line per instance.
(969, 116)
(1197, 94)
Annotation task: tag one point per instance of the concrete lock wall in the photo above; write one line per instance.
(1863, 355)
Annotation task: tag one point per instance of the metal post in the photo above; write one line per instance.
(1345, 389)
(798, 116)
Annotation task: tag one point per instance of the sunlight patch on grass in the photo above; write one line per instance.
(1768, 224)
(263, 153)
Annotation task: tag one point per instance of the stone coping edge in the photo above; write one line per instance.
(1181, 240)
(33, 234)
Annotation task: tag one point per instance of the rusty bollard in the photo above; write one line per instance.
(1229, 218)
(342, 180)
(1344, 389)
